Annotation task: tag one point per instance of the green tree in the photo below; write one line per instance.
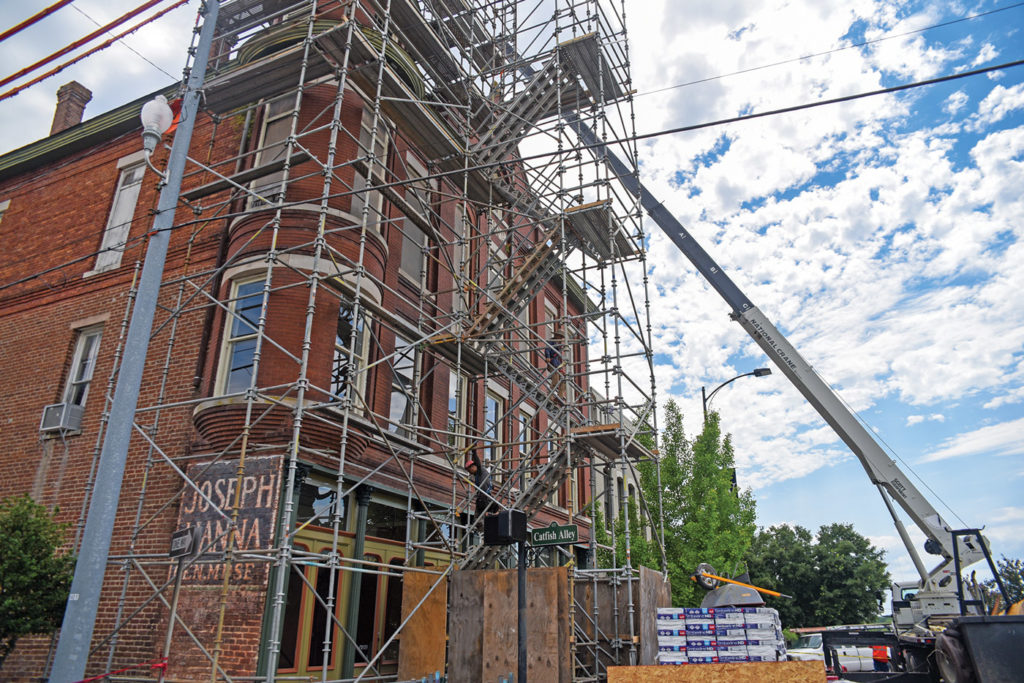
(34, 576)
(837, 577)
(1011, 573)
(706, 519)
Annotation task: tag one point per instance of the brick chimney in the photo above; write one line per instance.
(71, 100)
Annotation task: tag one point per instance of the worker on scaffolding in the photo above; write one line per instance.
(481, 482)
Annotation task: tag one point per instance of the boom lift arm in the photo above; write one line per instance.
(892, 484)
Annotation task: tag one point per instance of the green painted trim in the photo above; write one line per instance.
(99, 129)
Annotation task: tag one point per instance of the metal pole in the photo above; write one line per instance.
(84, 597)
(704, 403)
(521, 626)
(174, 615)
(355, 582)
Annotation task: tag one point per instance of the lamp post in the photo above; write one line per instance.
(83, 600)
(759, 372)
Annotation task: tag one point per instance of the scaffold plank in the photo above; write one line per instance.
(585, 55)
(414, 26)
(240, 13)
(597, 227)
(604, 439)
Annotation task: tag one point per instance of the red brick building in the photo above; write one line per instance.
(368, 284)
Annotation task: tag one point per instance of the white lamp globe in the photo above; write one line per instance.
(156, 115)
(156, 118)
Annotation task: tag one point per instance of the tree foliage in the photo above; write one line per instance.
(837, 577)
(1011, 573)
(706, 519)
(34, 576)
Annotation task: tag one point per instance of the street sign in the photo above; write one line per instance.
(183, 542)
(554, 534)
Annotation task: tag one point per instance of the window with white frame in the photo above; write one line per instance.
(525, 445)
(403, 374)
(414, 240)
(554, 445)
(609, 498)
(83, 363)
(238, 357)
(496, 255)
(494, 408)
(378, 142)
(277, 126)
(349, 353)
(461, 268)
(119, 223)
(552, 351)
(3, 208)
(457, 387)
(524, 330)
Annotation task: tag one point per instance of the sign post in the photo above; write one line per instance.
(184, 544)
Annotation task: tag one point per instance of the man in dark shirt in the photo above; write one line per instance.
(482, 481)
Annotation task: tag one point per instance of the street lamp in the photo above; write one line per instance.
(83, 601)
(759, 372)
(157, 117)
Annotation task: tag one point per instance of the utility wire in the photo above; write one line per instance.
(34, 18)
(812, 105)
(137, 53)
(670, 131)
(81, 41)
(102, 46)
(828, 52)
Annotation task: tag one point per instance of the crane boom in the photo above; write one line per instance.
(891, 482)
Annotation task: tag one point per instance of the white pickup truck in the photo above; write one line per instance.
(808, 648)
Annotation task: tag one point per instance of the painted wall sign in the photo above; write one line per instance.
(210, 507)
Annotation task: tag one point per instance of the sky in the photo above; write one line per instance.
(881, 236)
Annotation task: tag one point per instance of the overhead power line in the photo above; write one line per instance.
(670, 131)
(833, 50)
(81, 41)
(34, 18)
(102, 46)
(129, 47)
(822, 103)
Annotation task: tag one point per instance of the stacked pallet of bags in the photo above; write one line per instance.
(707, 635)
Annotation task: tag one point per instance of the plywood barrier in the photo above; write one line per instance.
(483, 622)
(655, 592)
(749, 672)
(422, 650)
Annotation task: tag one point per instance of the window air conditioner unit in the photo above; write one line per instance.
(61, 417)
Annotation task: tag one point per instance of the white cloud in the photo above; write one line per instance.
(955, 102)
(987, 53)
(1005, 438)
(917, 419)
(997, 104)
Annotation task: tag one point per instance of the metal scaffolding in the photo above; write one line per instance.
(431, 135)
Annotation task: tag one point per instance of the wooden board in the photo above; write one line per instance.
(483, 622)
(422, 649)
(748, 672)
(465, 632)
(500, 635)
(655, 592)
